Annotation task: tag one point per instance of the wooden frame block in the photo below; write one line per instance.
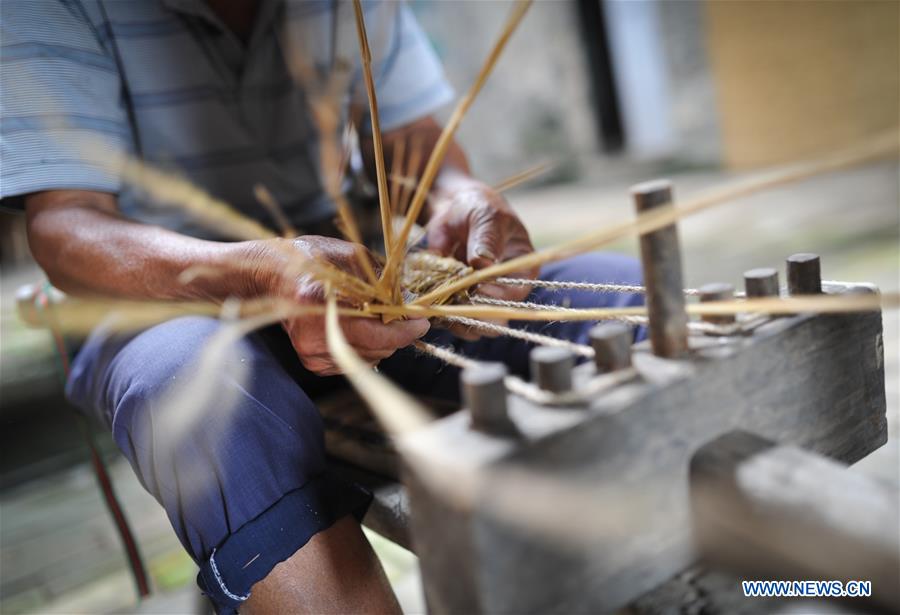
(815, 381)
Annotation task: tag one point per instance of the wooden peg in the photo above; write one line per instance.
(804, 274)
(762, 282)
(611, 342)
(717, 291)
(551, 368)
(661, 259)
(484, 394)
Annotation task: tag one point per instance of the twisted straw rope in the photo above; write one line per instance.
(532, 393)
(589, 286)
(528, 336)
(693, 326)
(446, 355)
(594, 387)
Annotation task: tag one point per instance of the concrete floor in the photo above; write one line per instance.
(60, 553)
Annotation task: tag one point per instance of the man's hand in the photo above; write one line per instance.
(466, 218)
(474, 224)
(372, 339)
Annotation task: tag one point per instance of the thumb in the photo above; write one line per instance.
(405, 332)
(484, 244)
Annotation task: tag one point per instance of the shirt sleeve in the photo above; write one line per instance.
(409, 78)
(60, 101)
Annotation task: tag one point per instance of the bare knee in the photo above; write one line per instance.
(335, 572)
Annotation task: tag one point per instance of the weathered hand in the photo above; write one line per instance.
(474, 224)
(370, 337)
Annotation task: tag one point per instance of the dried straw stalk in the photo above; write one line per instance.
(787, 305)
(882, 146)
(503, 185)
(523, 176)
(396, 254)
(412, 169)
(397, 411)
(81, 316)
(168, 189)
(323, 101)
(326, 118)
(275, 210)
(399, 154)
(164, 188)
(384, 202)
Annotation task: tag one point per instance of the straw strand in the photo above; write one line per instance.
(384, 200)
(588, 286)
(444, 141)
(883, 145)
(528, 336)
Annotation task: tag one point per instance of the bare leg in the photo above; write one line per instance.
(335, 572)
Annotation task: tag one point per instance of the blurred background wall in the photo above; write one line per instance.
(537, 102)
(739, 83)
(799, 78)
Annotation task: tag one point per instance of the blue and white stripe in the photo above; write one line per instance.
(166, 80)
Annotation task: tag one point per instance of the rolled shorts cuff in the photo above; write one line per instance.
(249, 554)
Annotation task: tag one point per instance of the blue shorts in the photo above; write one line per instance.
(242, 472)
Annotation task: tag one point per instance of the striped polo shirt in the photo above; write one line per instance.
(167, 81)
